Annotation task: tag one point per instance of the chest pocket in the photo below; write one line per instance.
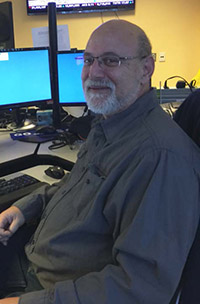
(89, 187)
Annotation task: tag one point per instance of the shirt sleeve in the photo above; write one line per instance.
(150, 247)
(33, 204)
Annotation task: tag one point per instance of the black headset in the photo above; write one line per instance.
(181, 84)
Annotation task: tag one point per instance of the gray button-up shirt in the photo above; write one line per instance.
(119, 227)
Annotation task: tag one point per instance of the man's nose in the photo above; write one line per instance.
(96, 70)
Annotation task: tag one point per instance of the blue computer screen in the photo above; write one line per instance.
(24, 76)
(70, 65)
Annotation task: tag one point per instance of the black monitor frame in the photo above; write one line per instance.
(89, 7)
(39, 102)
(65, 103)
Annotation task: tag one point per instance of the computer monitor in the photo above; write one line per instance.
(24, 77)
(70, 64)
(38, 7)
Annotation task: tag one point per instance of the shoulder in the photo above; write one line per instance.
(167, 137)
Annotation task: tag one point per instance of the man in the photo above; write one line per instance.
(118, 229)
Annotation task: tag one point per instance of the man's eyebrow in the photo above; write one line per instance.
(87, 54)
(104, 54)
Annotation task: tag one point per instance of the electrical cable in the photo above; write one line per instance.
(101, 14)
(116, 15)
(64, 139)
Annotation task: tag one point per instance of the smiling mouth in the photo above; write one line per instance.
(98, 89)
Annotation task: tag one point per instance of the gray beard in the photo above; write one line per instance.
(110, 104)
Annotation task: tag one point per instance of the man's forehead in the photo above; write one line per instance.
(114, 42)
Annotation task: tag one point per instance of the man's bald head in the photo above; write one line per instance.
(127, 33)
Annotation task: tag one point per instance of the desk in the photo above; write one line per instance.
(11, 149)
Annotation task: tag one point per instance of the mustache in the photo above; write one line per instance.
(99, 83)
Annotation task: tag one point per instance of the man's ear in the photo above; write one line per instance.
(148, 69)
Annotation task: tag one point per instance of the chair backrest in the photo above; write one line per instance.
(188, 117)
(189, 286)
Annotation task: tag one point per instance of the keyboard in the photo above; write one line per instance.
(12, 189)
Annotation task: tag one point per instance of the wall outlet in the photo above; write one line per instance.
(162, 57)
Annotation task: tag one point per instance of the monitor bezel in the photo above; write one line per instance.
(42, 103)
(79, 10)
(72, 104)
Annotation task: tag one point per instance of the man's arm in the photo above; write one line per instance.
(33, 204)
(24, 210)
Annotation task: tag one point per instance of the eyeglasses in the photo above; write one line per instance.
(107, 61)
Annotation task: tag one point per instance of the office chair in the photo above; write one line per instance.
(190, 283)
(188, 291)
(188, 118)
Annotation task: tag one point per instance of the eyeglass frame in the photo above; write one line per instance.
(120, 59)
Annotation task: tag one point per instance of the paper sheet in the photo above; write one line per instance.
(40, 37)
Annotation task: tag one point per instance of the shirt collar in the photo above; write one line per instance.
(117, 122)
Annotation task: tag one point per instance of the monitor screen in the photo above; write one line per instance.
(70, 64)
(36, 7)
(24, 77)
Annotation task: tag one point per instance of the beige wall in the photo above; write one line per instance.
(173, 27)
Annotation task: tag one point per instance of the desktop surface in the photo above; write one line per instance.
(12, 149)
